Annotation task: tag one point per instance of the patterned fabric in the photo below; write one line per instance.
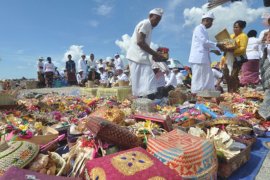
(15, 173)
(191, 157)
(132, 164)
(17, 153)
(250, 72)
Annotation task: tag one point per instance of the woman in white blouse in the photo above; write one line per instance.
(250, 69)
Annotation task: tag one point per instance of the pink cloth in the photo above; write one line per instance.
(250, 72)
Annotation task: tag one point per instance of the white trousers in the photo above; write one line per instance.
(202, 78)
(142, 79)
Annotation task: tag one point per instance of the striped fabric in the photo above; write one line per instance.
(191, 157)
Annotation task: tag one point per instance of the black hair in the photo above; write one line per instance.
(49, 59)
(252, 33)
(242, 24)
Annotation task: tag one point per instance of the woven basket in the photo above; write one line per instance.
(123, 83)
(17, 153)
(60, 162)
(112, 133)
(227, 167)
(7, 99)
(90, 84)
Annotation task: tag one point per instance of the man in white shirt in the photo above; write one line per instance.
(138, 54)
(103, 75)
(121, 76)
(82, 66)
(92, 62)
(202, 75)
(118, 61)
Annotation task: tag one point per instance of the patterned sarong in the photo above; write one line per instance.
(250, 72)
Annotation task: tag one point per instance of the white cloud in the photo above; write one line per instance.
(104, 10)
(125, 42)
(93, 23)
(225, 16)
(75, 51)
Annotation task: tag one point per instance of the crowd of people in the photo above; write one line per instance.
(99, 72)
(149, 76)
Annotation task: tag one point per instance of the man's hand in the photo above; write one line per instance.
(216, 52)
(158, 58)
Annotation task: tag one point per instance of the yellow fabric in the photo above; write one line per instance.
(131, 162)
(120, 92)
(241, 42)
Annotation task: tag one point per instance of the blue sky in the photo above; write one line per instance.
(55, 28)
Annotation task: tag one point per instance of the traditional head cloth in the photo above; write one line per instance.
(100, 66)
(118, 68)
(157, 11)
(40, 58)
(208, 15)
(155, 66)
(92, 67)
(116, 55)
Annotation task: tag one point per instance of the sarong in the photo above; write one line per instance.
(71, 76)
(49, 79)
(250, 72)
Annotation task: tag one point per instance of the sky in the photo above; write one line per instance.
(30, 29)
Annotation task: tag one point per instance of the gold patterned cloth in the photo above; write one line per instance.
(135, 163)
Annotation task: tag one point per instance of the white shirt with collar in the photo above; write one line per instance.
(200, 46)
(253, 51)
(134, 52)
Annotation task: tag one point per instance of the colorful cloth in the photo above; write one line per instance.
(49, 79)
(190, 156)
(250, 72)
(132, 164)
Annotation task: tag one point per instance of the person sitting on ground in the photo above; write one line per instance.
(121, 76)
(94, 75)
(103, 75)
(179, 76)
(80, 79)
(170, 78)
(218, 76)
